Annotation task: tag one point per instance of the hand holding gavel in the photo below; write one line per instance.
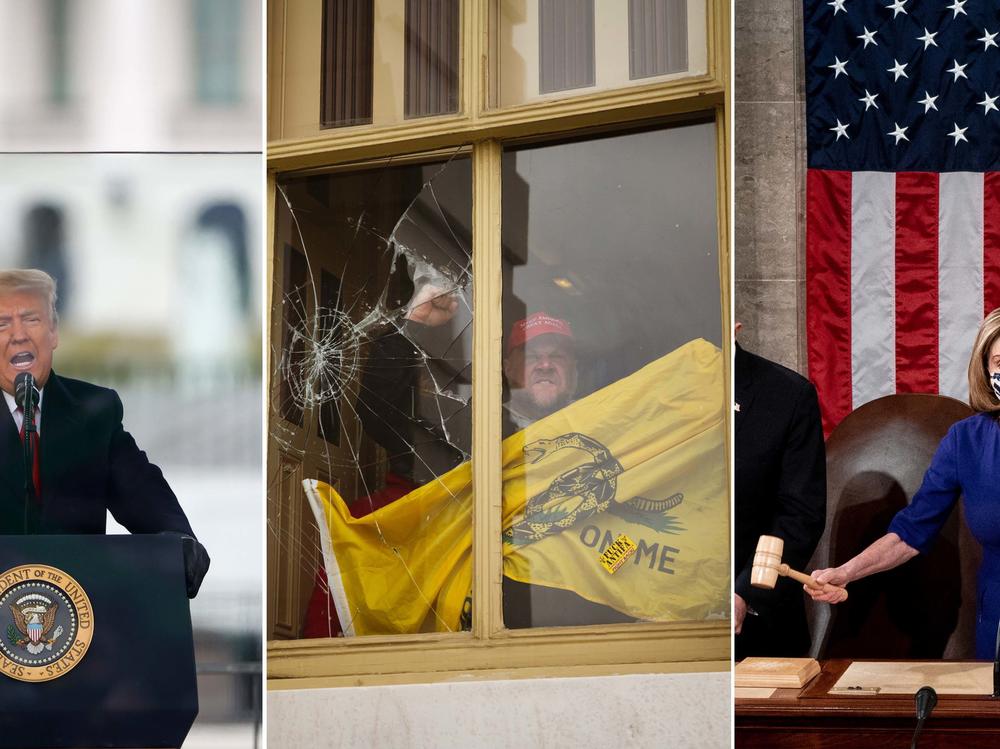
(833, 585)
(767, 566)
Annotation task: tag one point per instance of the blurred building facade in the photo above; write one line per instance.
(121, 75)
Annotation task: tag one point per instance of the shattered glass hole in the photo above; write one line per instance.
(372, 373)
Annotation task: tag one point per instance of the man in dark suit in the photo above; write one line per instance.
(780, 491)
(87, 464)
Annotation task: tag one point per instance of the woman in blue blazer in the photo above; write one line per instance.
(967, 463)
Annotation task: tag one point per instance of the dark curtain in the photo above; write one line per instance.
(346, 77)
(565, 44)
(657, 37)
(432, 57)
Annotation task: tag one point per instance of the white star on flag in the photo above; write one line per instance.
(838, 5)
(958, 134)
(958, 70)
(910, 195)
(838, 67)
(869, 100)
(898, 70)
(899, 133)
(928, 38)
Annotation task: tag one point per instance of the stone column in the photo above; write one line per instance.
(769, 113)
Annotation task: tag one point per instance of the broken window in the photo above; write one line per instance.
(615, 489)
(371, 400)
(616, 497)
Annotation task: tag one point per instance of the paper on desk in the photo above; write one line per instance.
(906, 677)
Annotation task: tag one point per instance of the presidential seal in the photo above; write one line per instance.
(46, 623)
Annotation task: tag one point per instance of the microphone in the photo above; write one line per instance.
(25, 392)
(925, 699)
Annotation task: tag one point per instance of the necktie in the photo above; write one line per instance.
(36, 474)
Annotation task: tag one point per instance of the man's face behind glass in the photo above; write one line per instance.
(544, 371)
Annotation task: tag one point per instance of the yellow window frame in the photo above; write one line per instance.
(490, 650)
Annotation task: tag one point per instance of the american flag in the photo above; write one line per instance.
(902, 194)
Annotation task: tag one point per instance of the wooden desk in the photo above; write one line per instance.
(809, 718)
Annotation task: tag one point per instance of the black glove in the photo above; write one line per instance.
(196, 562)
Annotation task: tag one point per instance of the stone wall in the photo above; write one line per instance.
(769, 148)
(681, 711)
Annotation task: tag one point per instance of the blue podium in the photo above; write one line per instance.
(96, 647)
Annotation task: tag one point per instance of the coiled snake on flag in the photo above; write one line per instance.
(578, 493)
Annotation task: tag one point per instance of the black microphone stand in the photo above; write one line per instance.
(28, 406)
(29, 457)
(925, 699)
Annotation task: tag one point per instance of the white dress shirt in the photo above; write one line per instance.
(19, 417)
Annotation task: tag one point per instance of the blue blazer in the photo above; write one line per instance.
(967, 463)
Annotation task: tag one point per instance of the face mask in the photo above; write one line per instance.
(995, 382)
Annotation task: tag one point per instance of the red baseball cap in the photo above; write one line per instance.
(535, 325)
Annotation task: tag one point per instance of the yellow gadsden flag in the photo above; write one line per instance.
(643, 457)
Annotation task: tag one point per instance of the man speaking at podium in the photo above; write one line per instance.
(84, 463)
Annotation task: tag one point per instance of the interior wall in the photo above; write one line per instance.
(769, 111)
(675, 710)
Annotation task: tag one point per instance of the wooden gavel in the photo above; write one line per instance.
(767, 565)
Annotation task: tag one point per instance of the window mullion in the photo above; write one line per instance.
(726, 273)
(471, 44)
(487, 617)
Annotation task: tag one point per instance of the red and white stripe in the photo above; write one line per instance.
(901, 268)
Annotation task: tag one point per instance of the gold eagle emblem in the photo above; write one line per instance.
(39, 611)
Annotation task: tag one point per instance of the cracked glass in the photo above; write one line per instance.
(616, 503)
(369, 496)
(615, 489)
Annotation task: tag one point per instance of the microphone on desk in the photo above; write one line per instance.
(925, 699)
